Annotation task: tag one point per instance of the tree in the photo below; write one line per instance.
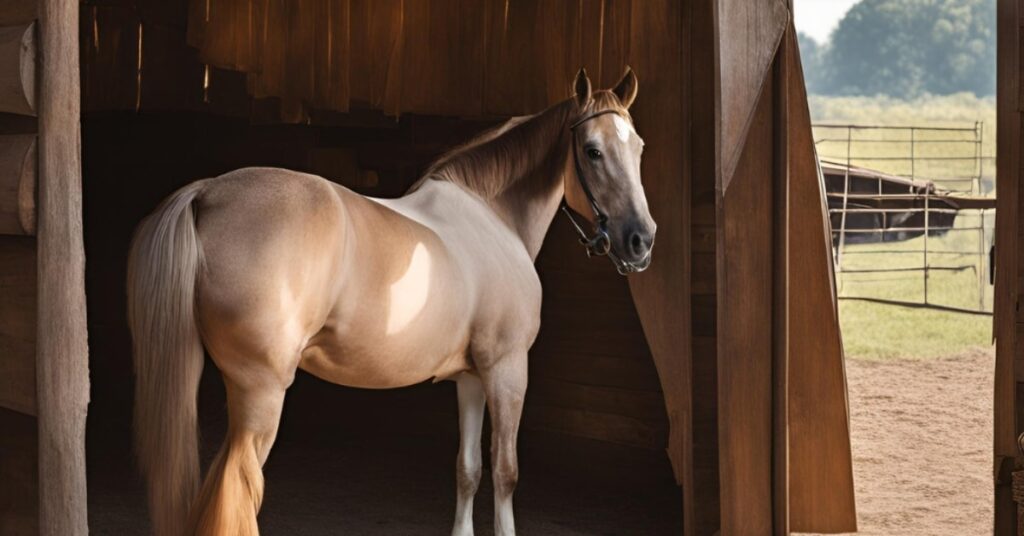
(810, 56)
(906, 48)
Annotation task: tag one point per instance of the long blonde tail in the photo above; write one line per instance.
(163, 265)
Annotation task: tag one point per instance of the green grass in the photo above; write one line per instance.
(882, 331)
(874, 330)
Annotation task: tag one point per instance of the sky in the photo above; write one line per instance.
(818, 18)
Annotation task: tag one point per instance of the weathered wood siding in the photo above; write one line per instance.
(1009, 320)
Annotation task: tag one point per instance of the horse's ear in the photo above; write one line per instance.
(626, 89)
(582, 88)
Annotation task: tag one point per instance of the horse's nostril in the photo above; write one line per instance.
(636, 242)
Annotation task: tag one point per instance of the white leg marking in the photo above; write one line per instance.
(469, 464)
(505, 388)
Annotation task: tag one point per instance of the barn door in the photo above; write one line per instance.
(44, 376)
(1009, 319)
(784, 450)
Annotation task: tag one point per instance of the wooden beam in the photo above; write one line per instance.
(748, 36)
(820, 466)
(18, 324)
(1008, 169)
(18, 184)
(18, 69)
(745, 310)
(62, 368)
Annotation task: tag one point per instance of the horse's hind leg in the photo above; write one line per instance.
(469, 464)
(233, 490)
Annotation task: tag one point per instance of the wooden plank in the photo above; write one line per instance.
(19, 510)
(62, 367)
(701, 503)
(820, 467)
(18, 184)
(110, 59)
(748, 36)
(782, 78)
(16, 12)
(18, 324)
(745, 334)
(615, 429)
(662, 293)
(598, 371)
(18, 69)
(645, 405)
(1008, 169)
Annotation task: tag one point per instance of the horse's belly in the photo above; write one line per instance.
(361, 352)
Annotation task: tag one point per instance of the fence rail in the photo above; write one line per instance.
(941, 163)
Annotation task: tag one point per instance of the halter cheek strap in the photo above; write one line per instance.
(600, 242)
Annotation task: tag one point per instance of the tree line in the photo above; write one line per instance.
(906, 49)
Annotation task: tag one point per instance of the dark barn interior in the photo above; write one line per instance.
(593, 445)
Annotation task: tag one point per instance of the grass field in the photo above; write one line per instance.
(877, 330)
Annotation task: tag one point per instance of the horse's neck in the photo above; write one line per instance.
(530, 203)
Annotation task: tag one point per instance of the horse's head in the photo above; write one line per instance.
(605, 184)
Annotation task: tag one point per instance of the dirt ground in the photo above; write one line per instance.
(921, 433)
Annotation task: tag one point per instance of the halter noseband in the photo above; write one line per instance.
(600, 242)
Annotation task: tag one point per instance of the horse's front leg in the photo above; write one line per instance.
(505, 386)
(469, 464)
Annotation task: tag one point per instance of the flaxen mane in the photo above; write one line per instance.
(498, 159)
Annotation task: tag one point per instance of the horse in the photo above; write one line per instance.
(270, 271)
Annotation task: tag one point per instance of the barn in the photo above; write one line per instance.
(704, 395)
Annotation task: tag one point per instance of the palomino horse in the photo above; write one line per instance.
(273, 270)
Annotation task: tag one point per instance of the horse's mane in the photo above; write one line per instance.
(497, 159)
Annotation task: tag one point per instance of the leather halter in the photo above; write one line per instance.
(600, 242)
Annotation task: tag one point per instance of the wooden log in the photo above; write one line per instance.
(62, 363)
(18, 324)
(18, 184)
(18, 69)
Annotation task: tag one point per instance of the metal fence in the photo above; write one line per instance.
(937, 263)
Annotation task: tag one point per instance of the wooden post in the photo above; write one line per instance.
(1005, 306)
(62, 371)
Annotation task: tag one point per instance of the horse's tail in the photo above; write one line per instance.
(163, 265)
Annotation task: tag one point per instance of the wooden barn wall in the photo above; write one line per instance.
(19, 504)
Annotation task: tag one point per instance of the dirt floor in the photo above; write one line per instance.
(922, 444)
(396, 478)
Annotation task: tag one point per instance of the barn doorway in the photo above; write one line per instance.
(594, 437)
(908, 156)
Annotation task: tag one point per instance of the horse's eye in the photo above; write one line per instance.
(593, 154)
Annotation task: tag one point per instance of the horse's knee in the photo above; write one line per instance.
(468, 470)
(506, 476)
